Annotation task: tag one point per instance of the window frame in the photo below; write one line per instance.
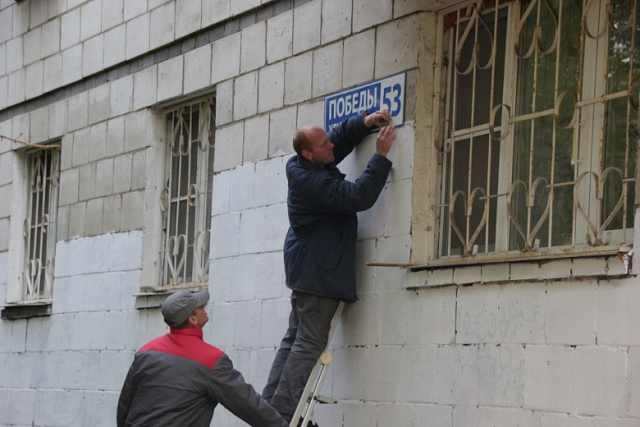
(18, 260)
(154, 239)
(426, 219)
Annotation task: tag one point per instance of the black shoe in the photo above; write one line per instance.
(309, 424)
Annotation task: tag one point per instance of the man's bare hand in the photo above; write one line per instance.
(386, 136)
(379, 118)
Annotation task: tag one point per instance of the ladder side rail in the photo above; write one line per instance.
(305, 395)
(334, 321)
(316, 392)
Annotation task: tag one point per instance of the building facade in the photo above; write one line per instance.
(142, 150)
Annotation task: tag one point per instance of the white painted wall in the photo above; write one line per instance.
(549, 346)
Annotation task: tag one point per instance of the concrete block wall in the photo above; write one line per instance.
(68, 360)
(547, 346)
(45, 45)
(103, 168)
(488, 355)
(77, 357)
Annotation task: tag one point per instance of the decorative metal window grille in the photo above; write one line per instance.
(39, 227)
(185, 201)
(537, 127)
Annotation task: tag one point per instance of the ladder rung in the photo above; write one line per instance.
(325, 399)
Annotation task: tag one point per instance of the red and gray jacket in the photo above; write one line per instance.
(178, 379)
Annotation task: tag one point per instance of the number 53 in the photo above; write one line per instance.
(391, 99)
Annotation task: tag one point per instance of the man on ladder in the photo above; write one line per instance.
(319, 250)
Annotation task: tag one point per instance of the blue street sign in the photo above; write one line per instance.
(383, 94)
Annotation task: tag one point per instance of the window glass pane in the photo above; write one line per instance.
(620, 119)
(620, 48)
(569, 54)
(478, 178)
(636, 46)
(465, 83)
(564, 171)
(473, 89)
(193, 167)
(43, 266)
(568, 80)
(620, 153)
(182, 220)
(473, 164)
(533, 149)
(40, 224)
(172, 220)
(191, 234)
(521, 148)
(541, 149)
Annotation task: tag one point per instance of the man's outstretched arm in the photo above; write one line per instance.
(232, 391)
(328, 193)
(126, 397)
(353, 130)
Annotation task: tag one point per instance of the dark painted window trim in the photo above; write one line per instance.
(13, 312)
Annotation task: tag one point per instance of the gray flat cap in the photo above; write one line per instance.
(178, 307)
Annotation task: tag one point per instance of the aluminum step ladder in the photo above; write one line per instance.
(311, 393)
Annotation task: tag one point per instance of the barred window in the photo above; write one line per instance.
(537, 127)
(186, 197)
(39, 226)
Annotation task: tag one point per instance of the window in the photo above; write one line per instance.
(39, 226)
(185, 199)
(537, 128)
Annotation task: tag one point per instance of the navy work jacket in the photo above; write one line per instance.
(320, 247)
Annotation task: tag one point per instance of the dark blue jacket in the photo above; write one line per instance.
(320, 247)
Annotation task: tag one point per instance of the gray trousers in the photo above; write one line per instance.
(303, 343)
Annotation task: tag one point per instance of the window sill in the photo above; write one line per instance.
(154, 297)
(511, 257)
(585, 265)
(26, 310)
